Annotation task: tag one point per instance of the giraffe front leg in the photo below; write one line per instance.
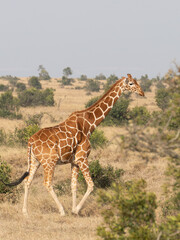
(74, 177)
(83, 165)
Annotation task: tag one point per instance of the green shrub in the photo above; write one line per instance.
(100, 77)
(22, 135)
(139, 115)
(110, 80)
(66, 81)
(145, 83)
(118, 114)
(91, 101)
(83, 77)
(5, 176)
(35, 97)
(9, 106)
(34, 82)
(162, 98)
(102, 177)
(130, 212)
(3, 88)
(92, 85)
(98, 139)
(20, 87)
(3, 137)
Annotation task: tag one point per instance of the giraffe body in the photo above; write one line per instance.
(69, 142)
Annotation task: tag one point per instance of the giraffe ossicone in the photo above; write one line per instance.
(68, 142)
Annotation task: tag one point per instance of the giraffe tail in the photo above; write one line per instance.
(18, 181)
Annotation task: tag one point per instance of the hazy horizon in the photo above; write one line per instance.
(91, 37)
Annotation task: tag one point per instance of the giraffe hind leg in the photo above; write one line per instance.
(33, 168)
(83, 165)
(48, 185)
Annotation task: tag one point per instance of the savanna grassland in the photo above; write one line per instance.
(44, 220)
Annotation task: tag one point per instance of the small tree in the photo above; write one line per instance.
(162, 98)
(43, 74)
(98, 139)
(67, 72)
(34, 82)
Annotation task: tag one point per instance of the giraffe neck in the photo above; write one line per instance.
(96, 113)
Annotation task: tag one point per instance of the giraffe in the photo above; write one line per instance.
(69, 142)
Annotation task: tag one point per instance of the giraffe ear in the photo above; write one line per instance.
(129, 76)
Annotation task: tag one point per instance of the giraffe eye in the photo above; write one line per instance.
(130, 83)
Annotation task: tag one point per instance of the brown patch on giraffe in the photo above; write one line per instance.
(103, 106)
(98, 112)
(99, 121)
(113, 94)
(90, 117)
(86, 127)
(42, 136)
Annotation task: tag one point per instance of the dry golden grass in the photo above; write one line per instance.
(45, 222)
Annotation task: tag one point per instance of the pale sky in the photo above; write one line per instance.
(90, 36)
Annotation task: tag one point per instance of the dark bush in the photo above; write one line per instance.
(3, 88)
(9, 106)
(83, 77)
(20, 87)
(145, 83)
(34, 82)
(91, 101)
(66, 81)
(5, 176)
(100, 77)
(92, 85)
(35, 97)
(102, 177)
(162, 98)
(110, 80)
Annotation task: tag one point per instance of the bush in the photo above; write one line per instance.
(98, 139)
(100, 77)
(92, 85)
(5, 176)
(34, 82)
(91, 101)
(130, 213)
(118, 114)
(20, 87)
(3, 88)
(83, 77)
(139, 115)
(145, 83)
(102, 177)
(66, 81)
(35, 97)
(9, 106)
(22, 135)
(111, 80)
(162, 98)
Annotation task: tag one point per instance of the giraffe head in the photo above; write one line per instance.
(132, 85)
